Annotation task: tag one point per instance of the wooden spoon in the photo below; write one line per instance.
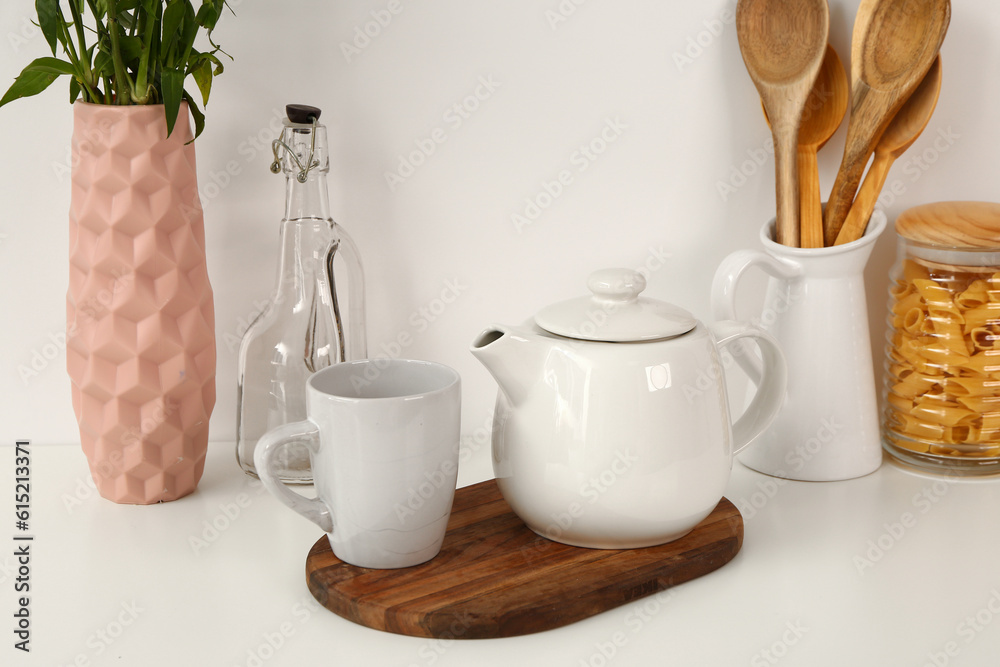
(783, 43)
(824, 110)
(904, 129)
(893, 46)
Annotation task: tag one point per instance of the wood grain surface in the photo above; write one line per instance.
(904, 129)
(783, 43)
(496, 578)
(952, 224)
(824, 111)
(893, 45)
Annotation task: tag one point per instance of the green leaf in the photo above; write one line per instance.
(103, 66)
(202, 74)
(74, 89)
(27, 84)
(131, 49)
(49, 17)
(50, 65)
(218, 64)
(173, 14)
(199, 117)
(189, 32)
(197, 59)
(208, 14)
(171, 90)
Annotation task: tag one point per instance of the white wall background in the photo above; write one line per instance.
(669, 73)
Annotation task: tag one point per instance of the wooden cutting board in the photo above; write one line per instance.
(495, 577)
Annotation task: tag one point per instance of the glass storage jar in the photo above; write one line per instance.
(942, 372)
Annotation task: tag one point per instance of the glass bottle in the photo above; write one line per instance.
(941, 409)
(302, 329)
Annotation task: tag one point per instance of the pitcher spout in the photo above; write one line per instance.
(513, 356)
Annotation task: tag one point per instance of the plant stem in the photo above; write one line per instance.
(88, 75)
(102, 33)
(123, 84)
(142, 86)
(68, 46)
(101, 30)
(67, 43)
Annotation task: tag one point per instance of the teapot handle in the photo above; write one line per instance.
(770, 394)
(727, 278)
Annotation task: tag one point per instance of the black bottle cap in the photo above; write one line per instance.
(301, 113)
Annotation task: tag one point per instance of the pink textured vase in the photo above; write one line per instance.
(140, 321)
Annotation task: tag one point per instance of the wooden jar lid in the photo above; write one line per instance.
(952, 224)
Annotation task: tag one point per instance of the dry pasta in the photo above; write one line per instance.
(943, 363)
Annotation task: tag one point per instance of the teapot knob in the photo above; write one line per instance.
(621, 285)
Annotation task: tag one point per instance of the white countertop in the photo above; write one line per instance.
(890, 569)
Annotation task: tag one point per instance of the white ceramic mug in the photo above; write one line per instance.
(815, 307)
(383, 439)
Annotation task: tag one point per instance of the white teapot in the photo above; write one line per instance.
(612, 425)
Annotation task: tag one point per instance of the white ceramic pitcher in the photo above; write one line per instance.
(815, 307)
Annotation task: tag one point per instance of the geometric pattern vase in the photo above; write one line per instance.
(139, 310)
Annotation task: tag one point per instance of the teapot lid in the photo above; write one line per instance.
(615, 313)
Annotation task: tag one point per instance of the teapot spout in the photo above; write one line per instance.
(513, 357)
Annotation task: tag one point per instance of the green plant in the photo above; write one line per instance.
(139, 52)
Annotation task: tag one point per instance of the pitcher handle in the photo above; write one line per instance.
(727, 278)
(770, 394)
(306, 432)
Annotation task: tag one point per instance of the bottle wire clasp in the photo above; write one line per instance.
(311, 163)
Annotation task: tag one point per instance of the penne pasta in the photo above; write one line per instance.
(900, 290)
(974, 295)
(913, 321)
(901, 403)
(986, 362)
(918, 428)
(949, 335)
(971, 386)
(909, 302)
(916, 384)
(981, 316)
(981, 404)
(935, 413)
(912, 271)
(989, 427)
(984, 338)
(943, 355)
(956, 434)
(932, 293)
(942, 385)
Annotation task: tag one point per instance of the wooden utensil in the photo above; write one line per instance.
(824, 110)
(783, 43)
(893, 46)
(906, 126)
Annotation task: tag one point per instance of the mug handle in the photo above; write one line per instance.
(770, 394)
(307, 432)
(727, 278)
